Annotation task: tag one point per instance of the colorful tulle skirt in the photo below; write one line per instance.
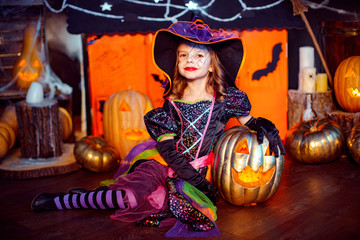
(159, 197)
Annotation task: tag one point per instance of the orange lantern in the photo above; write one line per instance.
(28, 66)
(123, 121)
(347, 84)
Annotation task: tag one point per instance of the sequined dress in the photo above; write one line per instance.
(193, 117)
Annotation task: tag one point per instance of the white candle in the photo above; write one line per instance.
(35, 93)
(308, 79)
(306, 60)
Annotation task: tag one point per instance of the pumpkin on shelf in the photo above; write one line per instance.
(28, 66)
(347, 84)
(95, 154)
(315, 141)
(123, 122)
(353, 143)
(243, 170)
(7, 138)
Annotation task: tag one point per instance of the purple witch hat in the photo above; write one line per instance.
(228, 47)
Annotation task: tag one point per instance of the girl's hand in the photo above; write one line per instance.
(265, 127)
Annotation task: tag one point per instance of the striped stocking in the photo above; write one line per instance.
(103, 199)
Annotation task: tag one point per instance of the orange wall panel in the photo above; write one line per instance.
(120, 62)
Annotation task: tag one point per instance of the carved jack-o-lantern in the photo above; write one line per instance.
(28, 67)
(123, 120)
(243, 170)
(347, 84)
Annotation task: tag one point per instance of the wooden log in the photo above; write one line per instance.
(39, 130)
(322, 103)
(346, 120)
(12, 166)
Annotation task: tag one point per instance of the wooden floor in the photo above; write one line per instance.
(312, 202)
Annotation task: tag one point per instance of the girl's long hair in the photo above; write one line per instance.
(216, 80)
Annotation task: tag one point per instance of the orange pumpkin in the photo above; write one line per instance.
(7, 138)
(9, 116)
(123, 121)
(65, 123)
(347, 84)
(28, 66)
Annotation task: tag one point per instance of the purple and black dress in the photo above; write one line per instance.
(195, 126)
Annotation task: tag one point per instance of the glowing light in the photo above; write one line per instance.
(106, 7)
(354, 92)
(251, 179)
(191, 5)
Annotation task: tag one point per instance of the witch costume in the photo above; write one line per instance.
(166, 179)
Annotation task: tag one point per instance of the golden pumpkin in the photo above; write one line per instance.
(123, 121)
(95, 154)
(243, 170)
(347, 84)
(353, 143)
(315, 141)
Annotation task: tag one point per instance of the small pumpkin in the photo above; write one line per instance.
(95, 154)
(123, 120)
(9, 133)
(9, 116)
(28, 66)
(315, 141)
(353, 143)
(7, 138)
(66, 123)
(243, 170)
(347, 84)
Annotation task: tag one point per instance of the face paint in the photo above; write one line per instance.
(193, 61)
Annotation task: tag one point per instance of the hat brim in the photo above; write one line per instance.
(230, 52)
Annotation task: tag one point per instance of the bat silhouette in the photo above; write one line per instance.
(157, 78)
(271, 66)
(163, 82)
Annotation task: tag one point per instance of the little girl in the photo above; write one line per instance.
(201, 66)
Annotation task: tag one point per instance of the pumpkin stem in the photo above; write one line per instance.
(313, 129)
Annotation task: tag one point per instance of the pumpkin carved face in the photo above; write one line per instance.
(28, 67)
(244, 171)
(347, 84)
(123, 122)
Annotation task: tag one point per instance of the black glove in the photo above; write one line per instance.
(184, 170)
(263, 126)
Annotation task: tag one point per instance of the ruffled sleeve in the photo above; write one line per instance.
(236, 103)
(160, 122)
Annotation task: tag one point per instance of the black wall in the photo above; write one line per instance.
(300, 37)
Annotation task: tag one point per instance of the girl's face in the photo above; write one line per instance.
(193, 61)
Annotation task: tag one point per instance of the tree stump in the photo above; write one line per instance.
(39, 130)
(322, 103)
(346, 120)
